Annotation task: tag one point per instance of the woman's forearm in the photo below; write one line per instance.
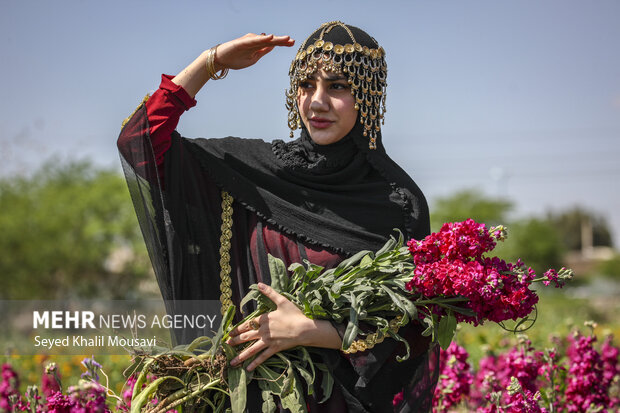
(322, 334)
(195, 76)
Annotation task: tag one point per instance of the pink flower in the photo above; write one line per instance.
(586, 387)
(609, 357)
(8, 387)
(451, 263)
(455, 377)
(398, 399)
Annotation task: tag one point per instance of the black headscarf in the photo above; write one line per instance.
(342, 196)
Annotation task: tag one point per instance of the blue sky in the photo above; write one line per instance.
(517, 98)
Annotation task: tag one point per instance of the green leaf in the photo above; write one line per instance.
(223, 329)
(272, 380)
(430, 327)
(307, 376)
(402, 302)
(237, 382)
(336, 287)
(446, 330)
(387, 246)
(465, 311)
(319, 312)
(294, 400)
(327, 384)
(279, 277)
(352, 327)
(298, 274)
(198, 342)
(287, 384)
(269, 404)
(398, 337)
(366, 261)
(352, 260)
(145, 395)
(141, 378)
(296, 267)
(229, 351)
(252, 295)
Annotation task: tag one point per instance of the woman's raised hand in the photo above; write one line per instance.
(247, 50)
(235, 54)
(279, 330)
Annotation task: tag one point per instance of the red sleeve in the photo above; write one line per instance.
(163, 109)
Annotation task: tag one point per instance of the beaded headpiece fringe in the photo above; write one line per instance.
(364, 67)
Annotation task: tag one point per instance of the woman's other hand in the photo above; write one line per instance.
(247, 50)
(281, 329)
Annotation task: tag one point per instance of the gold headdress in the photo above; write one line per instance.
(340, 48)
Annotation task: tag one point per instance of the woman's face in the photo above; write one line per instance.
(326, 106)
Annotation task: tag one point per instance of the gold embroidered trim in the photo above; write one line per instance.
(372, 339)
(225, 290)
(134, 112)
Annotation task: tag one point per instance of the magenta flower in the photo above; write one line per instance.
(398, 399)
(450, 263)
(586, 383)
(455, 378)
(9, 387)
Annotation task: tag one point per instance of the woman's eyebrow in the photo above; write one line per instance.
(334, 77)
(329, 77)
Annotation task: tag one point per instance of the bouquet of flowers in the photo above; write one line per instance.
(439, 281)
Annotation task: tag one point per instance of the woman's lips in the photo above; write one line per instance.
(320, 123)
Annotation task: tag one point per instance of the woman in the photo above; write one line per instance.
(212, 209)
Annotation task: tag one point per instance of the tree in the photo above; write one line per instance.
(60, 229)
(571, 223)
(469, 203)
(536, 241)
(610, 268)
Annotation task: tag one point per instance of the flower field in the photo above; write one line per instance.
(566, 362)
(488, 346)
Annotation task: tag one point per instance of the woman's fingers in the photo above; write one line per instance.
(272, 332)
(270, 39)
(247, 50)
(262, 52)
(249, 352)
(248, 326)
(242, 337)
(260, 358)
(272, 294)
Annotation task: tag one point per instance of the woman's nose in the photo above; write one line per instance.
(320, 100)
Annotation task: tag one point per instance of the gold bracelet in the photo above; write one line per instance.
(210, 63)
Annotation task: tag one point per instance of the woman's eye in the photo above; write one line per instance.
(340, 86)
(305, 85)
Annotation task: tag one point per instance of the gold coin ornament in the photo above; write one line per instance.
(339, 48)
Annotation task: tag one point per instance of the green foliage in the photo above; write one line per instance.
(536, 242)
(610, 268)
(570, 224)
(198, 376)
(466, 204)
(61, 227)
